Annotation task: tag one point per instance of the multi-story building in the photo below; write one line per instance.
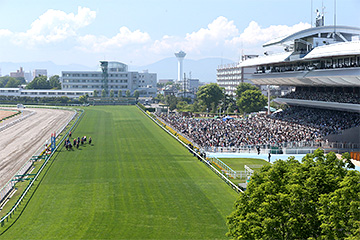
(113, 76)
(18, 73)
(231, 75)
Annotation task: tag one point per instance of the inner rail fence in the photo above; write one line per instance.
(207, 163)
(230, 173)
(9, 187)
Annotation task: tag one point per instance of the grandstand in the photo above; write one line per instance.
(323, 64)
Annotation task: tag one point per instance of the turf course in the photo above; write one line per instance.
(135, 182)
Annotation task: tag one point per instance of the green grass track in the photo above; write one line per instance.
(135, 182)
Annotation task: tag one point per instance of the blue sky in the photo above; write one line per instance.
(140, 32)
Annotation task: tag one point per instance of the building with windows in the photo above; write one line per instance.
(231, 75)
(113, 76)
(20, 92)
(18, 73)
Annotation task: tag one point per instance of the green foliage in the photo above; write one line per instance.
(136, 94)
(210, 95)
(95, 93)
(103, 93)
(39, 82)
(293, 200)
(54, 82)
(242, 87)
(134, 182)
(112, 93)
(160, 97)
(11, 82)
(251, 101)
(127, 93)
(171, 100)
(119, 93)
(83, 99)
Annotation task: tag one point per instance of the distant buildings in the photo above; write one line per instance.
(231, 75)
(39, 72)
(18, 73)
(113, 76)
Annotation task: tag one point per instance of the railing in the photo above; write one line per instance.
(59, 144)
(4, 126)
(207, 163)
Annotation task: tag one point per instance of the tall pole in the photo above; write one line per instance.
(268, 88)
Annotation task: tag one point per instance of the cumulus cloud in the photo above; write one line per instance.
(124, 37)
(55, 26)
(254, 34)
(222, 35)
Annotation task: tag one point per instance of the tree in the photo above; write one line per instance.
(251, 101)
(119, 93)
(171, 100)
(55, 82)
(242, 87)
(95, 93)
(39, 82)
(13, 83)
(103, 93)
(136, 94)
(127, 93)
(210, 93)
(83, 98)
(111, 93)
(293, 200)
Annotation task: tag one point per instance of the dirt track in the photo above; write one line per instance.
(20, 141)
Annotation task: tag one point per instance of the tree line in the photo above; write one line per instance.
(39, 82)
(211, 98)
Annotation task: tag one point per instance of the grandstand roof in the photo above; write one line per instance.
(333, 50)
(275, 58)
(313, 32)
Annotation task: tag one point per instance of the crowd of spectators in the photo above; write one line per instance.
(341, 97)
(295, 124)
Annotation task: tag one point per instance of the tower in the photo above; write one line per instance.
(180, 56)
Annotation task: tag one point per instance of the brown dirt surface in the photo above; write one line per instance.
(4, 114)
(22, 140)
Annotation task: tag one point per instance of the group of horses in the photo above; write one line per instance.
(76, 142)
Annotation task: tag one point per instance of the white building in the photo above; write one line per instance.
(113, 76)
(39, 72)
(20, 92)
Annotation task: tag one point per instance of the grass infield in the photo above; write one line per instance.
(238, 164)
(134, 182)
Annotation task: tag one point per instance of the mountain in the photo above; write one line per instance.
(203, 69)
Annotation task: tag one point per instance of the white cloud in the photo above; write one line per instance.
(55, 26)
(5, 33)
(255, 35)
(121, 39)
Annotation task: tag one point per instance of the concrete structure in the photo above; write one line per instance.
(39, 72)
(113, 76)
(18, 73)
(180, 57)
(231, 75)
(20, 92)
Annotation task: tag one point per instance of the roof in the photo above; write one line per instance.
(275, 58)
(313, 31)
(336, 49)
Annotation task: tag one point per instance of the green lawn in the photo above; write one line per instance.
(238, 164)
(135, 182)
